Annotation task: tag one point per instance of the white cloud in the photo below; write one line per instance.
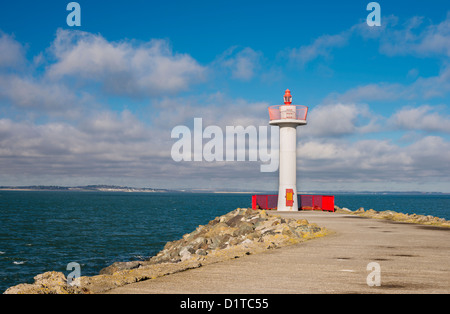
(334, 120)
(431, 155)
(31, 93)
(421, 88)
(321, 47)
(106, 146)
(243, 63)
(416, 39)
(109, 124)
(374, 91)
(421, 118)
(123, 68)
(431, 87)
(216, 109)
(374, 160)
(413, 37)
(389, 22)
(416, 36)
(12, 53)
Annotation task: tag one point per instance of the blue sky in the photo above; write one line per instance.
(96, 104)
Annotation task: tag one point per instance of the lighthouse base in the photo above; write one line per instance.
(305, 202)
(287, 199)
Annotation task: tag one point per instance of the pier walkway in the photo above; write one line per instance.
(412, 259)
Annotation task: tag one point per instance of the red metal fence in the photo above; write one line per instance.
(264, 201)
(305, 202)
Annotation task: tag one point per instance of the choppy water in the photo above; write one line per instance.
(45, 231)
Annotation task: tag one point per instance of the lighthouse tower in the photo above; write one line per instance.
(288, 117)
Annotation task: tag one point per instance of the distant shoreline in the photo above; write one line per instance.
(108, 188)
(80, 190)
(90, 188)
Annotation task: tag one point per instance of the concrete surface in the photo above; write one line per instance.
(413, 259)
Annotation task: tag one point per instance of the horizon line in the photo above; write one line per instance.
(96, 187)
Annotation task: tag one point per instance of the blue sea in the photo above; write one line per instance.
(45, 231)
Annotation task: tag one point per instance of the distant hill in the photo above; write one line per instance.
(87, 188)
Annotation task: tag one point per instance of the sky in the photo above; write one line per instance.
(97, 103)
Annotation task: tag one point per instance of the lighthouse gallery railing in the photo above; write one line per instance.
(300, 112)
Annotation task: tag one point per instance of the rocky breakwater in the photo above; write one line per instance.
(396, 216)
(236, 234)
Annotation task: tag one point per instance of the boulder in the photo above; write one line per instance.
(46, 283)
(118, 266)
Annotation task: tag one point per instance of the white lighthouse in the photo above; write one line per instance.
(288, 117)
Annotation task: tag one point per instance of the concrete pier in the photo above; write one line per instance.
(413, 258)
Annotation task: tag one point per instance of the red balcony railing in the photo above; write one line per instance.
(288, 112)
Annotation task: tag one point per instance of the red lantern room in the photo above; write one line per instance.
(287, 97)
